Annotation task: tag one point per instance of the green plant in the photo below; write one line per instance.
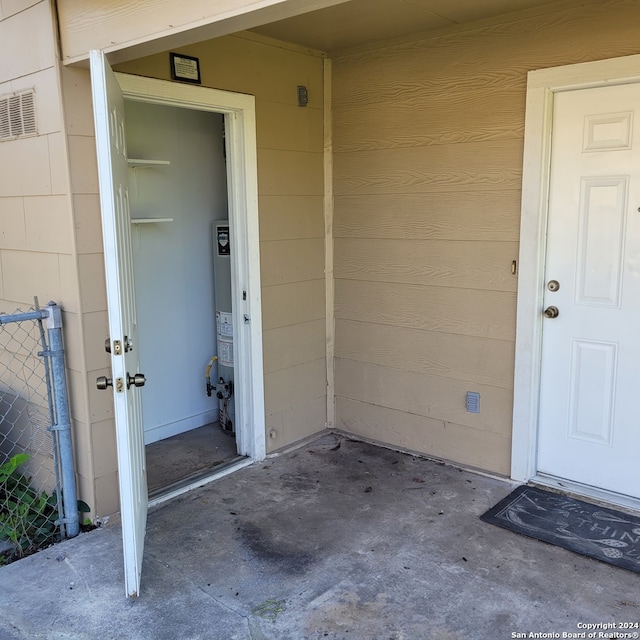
(27, 518)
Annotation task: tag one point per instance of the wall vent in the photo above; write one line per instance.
(18, 115)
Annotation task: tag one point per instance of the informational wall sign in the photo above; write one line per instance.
(185, 68)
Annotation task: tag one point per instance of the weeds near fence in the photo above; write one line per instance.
(27, 518)
(34, 421)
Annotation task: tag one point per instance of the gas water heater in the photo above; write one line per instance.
(224, 324)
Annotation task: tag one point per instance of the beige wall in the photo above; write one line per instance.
(290, 186)
(428, 139)
(135, 29)
(50, 231)
(42, 247)
(51, 244)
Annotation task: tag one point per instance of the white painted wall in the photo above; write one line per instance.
(173, 260)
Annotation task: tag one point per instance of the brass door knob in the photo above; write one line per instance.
(551, 312)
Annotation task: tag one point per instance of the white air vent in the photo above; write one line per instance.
(18, 115)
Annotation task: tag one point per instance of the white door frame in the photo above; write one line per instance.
(541, 87)
(242, 181)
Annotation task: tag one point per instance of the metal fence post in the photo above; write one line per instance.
(63, 420)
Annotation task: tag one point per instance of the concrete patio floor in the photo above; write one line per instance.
(336, 540)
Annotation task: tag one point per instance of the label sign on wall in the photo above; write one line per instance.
(222, 240)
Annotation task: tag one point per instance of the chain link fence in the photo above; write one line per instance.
(32, 508)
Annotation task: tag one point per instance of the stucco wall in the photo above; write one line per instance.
(428, 140)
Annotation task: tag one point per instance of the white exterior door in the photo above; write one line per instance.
(589, 424)
(108, 107)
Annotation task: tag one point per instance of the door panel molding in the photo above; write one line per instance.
(114, 203)
(542, 85)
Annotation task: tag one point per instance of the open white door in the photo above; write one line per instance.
(108, 106)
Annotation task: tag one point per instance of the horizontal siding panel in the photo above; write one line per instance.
(295, 385)
(289, 346)
(291, 217)
(486, 314)
(288, 304)
(285, 173)
(438, 119)
(515, 43)
(285, 261)
(435, 438)
(476, 360)
(462, 215)
(424, 395)
(288, 127)
(295, 423)
(459, 167)
(389, 134)
(423, 88)
(470, 265)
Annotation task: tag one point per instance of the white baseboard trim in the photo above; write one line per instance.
(180, 426)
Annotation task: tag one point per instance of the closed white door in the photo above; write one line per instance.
(108, 105)
(589, 424)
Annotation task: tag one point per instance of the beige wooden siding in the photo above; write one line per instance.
(290, 185)
(428, 138)
(38, 239)
(116, 24)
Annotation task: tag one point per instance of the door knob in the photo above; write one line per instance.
(103, 382)
(551, 312)
(137, 380)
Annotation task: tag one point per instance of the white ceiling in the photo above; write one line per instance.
(360, 21)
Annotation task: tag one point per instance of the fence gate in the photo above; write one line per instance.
(38, 503)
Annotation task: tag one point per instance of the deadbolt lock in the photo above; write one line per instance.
(551, 312)
(553, 285)
(117, 345)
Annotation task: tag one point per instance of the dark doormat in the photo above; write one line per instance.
(588, 529)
